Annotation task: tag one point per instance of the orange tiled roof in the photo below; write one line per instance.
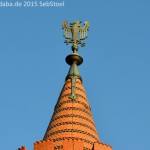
(72, 117)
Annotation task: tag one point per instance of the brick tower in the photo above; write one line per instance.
(72, 126)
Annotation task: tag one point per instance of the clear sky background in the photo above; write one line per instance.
(115, 72)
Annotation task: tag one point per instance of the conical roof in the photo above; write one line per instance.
(72, 117)
(72, 126)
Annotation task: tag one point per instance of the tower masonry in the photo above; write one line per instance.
(72, 126)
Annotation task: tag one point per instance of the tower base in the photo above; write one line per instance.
(67, 144)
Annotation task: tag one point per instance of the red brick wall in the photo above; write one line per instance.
(72, 144)
(67, 144)
(44, 145)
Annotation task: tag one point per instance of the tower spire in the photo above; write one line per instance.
(72, 126)
(72, 117)
(75, 34)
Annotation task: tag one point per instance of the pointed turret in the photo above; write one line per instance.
(72, 117)
(72, 126)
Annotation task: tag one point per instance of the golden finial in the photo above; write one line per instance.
(75, 33)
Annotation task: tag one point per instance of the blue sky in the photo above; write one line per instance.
(115, 72)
